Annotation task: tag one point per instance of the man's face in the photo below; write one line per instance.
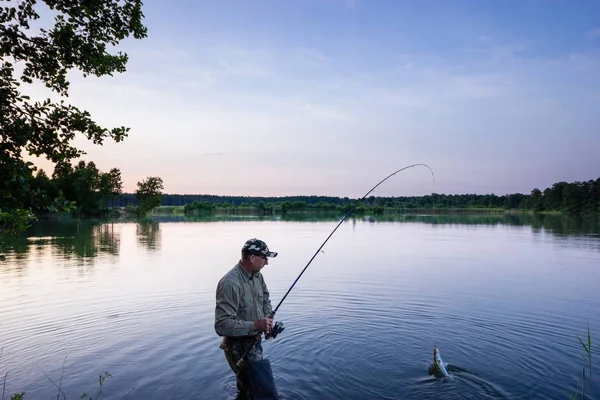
(258, 262)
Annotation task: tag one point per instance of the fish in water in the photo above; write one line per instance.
(438, 368)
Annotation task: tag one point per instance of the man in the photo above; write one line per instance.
(243, 308)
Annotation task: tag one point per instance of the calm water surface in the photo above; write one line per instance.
(504, 298)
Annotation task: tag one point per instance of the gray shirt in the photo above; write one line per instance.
(241, 300)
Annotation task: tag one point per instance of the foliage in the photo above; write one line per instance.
(198, 206)
(569, 198)
(101, 379)
(587, 359)
(148, 194)
(91, 189)
(79, 39)
(111, 185)
(17, 221)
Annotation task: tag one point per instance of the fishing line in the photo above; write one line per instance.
(278, 327)
(340, 223)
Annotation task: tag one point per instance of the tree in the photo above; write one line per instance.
(148, 194)
(79, 38)
(83, 185)
(86, 185)
(535, 200)
(553, 196)
(594, 202)
(286, 206)
(573, 197)
(111, 185)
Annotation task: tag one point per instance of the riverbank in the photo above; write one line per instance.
(235, 210)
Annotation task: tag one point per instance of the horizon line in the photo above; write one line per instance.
(323, 195)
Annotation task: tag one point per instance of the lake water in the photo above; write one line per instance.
(503, 297)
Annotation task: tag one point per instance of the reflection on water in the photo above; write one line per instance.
(148, 234)
(500, 294)
(553, 223)
(76, 240)
(84, 240)
(557, 224)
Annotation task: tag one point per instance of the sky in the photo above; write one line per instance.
(328, 97)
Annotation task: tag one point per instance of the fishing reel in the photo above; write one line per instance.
(276, 330)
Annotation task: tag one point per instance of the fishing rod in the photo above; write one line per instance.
(278, 329)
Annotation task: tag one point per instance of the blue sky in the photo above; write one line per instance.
(327, 97)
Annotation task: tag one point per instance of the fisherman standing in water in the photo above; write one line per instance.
(242, 310)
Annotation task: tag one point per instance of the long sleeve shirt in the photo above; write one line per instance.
(241, 299)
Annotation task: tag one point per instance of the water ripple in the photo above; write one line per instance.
(362, 324)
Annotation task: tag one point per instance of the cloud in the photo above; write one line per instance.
(302, 109)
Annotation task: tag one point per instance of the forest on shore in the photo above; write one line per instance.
(83, 191)
(581, 197)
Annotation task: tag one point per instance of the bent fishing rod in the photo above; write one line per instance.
(338, 225)
(278, 327)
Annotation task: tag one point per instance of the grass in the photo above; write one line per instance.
(586, 381)
(587, 359)
(168, 210)
(85, 396)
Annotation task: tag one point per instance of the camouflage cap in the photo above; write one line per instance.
(256, 246)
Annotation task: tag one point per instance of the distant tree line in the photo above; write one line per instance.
(85, 191)
(233, 201)
(571, 198)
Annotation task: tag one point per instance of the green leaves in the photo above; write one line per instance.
(587, 360)
(587, 347)
(15, 221)
(80, 38)
(148, 194)
(101, 379)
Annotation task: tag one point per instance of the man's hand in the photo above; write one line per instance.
(263, 325)
(268, 333)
